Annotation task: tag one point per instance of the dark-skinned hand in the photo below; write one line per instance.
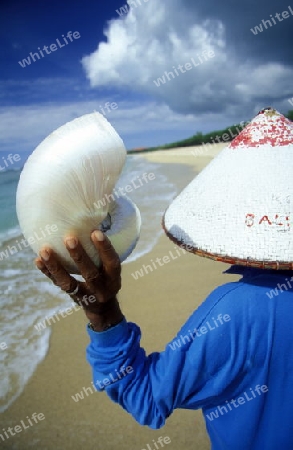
(97, 294)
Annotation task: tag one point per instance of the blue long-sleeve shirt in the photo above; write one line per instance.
(233, 358)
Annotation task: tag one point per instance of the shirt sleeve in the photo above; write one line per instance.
(198, 367)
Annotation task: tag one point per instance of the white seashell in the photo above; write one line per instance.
(68, 181)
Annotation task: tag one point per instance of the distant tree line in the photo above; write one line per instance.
(290, 115)
(209, 138)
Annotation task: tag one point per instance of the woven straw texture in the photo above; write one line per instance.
(239, 208)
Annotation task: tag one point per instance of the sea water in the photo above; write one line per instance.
(27, 297)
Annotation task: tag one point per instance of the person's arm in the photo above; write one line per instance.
(188, 375)
(202, 366)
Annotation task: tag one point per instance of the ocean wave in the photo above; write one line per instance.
(7, 236)
(152, 200)
(31, 297)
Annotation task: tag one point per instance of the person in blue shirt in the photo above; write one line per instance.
(233, 358)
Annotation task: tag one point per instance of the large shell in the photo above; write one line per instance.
(67, 184)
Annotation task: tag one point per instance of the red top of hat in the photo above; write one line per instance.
(269, 127)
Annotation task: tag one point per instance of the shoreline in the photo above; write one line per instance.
(159, 302)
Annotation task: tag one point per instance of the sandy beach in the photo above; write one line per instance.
(159, 303)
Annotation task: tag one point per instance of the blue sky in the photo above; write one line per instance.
(119, 56)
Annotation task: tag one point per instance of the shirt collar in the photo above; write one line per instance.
(249, 272)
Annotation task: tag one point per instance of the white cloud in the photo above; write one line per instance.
(22, 128)
(153, 38)
(158, 35)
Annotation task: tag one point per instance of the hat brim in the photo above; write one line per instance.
(277, 265)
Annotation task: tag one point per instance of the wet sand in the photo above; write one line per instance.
(159, 303)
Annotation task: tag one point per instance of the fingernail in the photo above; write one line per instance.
(99, 236)
(40, 265)
(45, 255)
(71, 243)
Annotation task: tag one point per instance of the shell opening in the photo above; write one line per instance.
(106, 224)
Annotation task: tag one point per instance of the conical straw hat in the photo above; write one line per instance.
(239, 208)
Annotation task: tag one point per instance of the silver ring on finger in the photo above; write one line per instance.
(74, 292)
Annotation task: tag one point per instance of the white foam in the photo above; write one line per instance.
(32, 298)
(12, 233)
